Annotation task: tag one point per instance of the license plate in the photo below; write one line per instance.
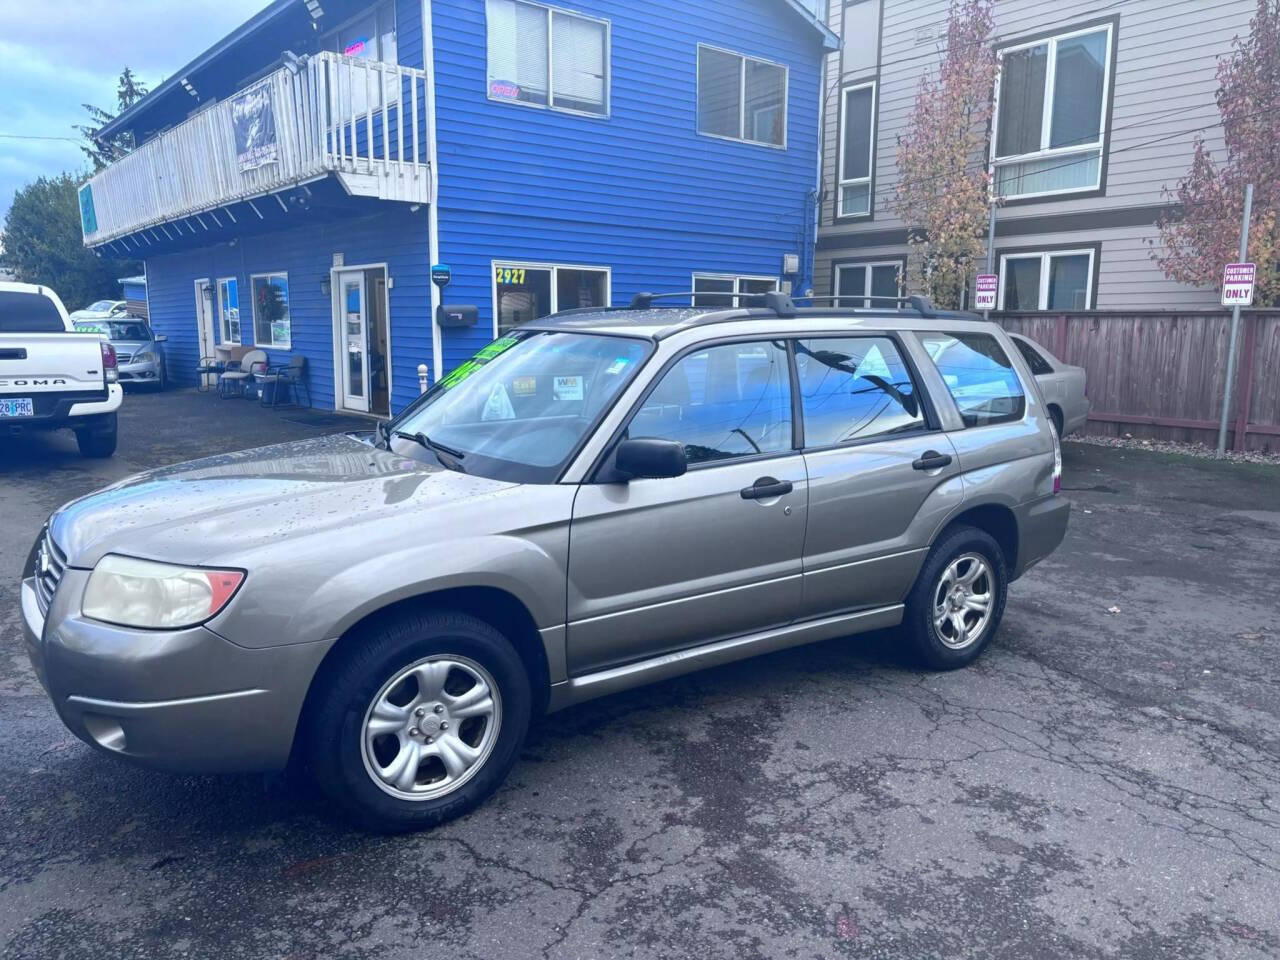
(20, 407)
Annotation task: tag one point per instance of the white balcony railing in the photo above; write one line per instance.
(354, 118)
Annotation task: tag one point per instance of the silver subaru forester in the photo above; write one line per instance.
(600, 499)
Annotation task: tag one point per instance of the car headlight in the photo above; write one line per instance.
(143, 593)
(147, 357)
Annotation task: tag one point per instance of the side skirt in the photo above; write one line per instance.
(591, 685)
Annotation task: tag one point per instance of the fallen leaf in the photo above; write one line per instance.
(1113, 609)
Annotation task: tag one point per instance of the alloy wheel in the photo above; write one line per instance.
(962, 600)
(431, 727)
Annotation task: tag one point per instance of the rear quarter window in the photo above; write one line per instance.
(979, 376)
(22, 312)
(1038, 364)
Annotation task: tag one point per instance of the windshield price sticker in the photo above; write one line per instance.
(617, 366)
(568, 388)
(524, 386)
(497, 347)
(1237, 284)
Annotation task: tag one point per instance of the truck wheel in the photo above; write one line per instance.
(418, 720)
(98, 440)
(957, 602)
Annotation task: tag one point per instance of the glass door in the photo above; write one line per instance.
(353, 304)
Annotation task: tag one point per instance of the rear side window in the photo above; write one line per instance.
(979, 375)
(28, 313)
(1038, 364)
(854, 388)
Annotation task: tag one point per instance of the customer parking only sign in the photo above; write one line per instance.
(1237, 285)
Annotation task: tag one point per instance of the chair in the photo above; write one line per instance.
(206, 368)
(290, 377)
(233, 381)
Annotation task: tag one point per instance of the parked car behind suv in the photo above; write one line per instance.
(139, 351)
(601, 499)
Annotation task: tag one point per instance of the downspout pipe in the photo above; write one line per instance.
(433, 161)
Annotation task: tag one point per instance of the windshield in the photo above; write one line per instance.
(519, 409)
(115, 330)
(100, 306)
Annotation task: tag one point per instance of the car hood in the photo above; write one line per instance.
(215, 507)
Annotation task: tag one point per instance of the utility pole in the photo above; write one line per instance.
(991, 244)
(1235, 328)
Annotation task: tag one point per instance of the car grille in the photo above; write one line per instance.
(49, 572)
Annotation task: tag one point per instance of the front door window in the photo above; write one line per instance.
(353, 304)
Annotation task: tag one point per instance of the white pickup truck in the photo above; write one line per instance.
(52, 377)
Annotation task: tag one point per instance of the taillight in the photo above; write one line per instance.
(1057, 462)
(109, 368)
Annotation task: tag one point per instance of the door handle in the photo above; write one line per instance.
(931, 460)
(766, 487)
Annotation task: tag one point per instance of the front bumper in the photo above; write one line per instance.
(147, 371)
(182, 700)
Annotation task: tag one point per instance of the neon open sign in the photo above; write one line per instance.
(356, 47)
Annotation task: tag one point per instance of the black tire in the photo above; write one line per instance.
(929, 646)
(100, 439)
(346, 688)
(160, 379)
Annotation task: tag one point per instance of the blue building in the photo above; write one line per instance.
(551, 156)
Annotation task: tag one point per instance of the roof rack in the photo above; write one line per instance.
(921, 304)
(643, 301)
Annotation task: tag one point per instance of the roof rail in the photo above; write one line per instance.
(921, 304)
(643, 301)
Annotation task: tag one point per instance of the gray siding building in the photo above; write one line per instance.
(1097, 107)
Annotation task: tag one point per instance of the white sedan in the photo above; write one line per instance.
(1062, 384)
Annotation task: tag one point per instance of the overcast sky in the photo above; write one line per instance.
(57, 54)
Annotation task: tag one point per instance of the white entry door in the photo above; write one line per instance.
(353, 307)
(204, 326)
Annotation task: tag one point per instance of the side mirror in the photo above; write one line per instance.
(162, 338)
(649, 458)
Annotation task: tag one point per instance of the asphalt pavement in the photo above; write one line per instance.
(1103, 782)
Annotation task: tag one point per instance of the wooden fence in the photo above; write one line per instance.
(1161, 375)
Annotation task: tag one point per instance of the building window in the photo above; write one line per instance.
(1051, 280)
(271, 310)
(1051, 114)
(548, 57)
(870, 284)
(372, 37)
(229, 310)
(857, 119)
(527, 291)
(719, 289)
(740, 98)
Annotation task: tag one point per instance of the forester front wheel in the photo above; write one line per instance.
(419, 721)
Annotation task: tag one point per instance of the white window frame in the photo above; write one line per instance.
(867, 265)
(742, 96)
(551, 11)
(841, 181)
(555, 268)
(1044, 256)
(1046, 114)
(267, 275)
(736, 278)
(224, 327)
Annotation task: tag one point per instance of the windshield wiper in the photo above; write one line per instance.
(439, 449)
